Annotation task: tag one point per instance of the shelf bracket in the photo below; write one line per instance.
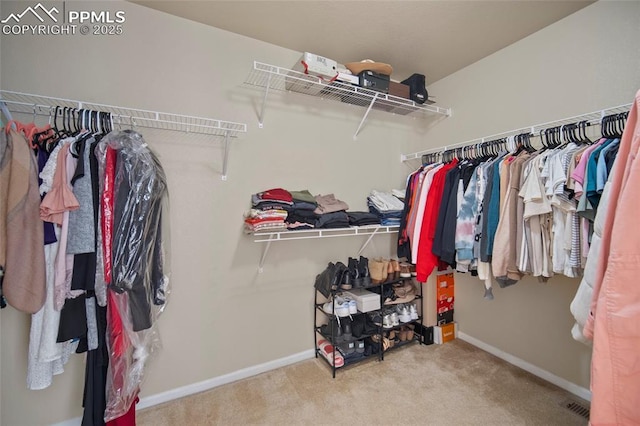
(264, 253)
(226, 155)
(264, 101)
(373, 101)
(366, 243)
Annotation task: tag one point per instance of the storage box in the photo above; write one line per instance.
(374, 81)
(445, 317)
(426, 334)
(318, 70)
(398, 89)
(445, 289)
(445, 333)
(349, 78)
(365, 300)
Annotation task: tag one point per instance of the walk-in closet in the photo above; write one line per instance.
(198, 227)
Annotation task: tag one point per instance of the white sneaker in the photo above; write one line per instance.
(386, 321)
(394, 319)
(413, 311)
(341, 307)
(353, 306)
(404, 314)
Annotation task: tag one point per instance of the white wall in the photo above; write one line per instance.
(585, 62)
(222, 315)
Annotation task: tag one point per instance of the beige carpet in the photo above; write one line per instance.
(452, 384)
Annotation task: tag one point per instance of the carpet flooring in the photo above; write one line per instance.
(451, 384)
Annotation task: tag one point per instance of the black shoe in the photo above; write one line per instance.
(347, 335)
(363, 270)
(356, 279)
(339, 271)
(347, 282)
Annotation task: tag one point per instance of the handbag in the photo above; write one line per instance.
(417, 88)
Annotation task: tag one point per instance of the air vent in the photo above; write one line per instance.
(577, 408)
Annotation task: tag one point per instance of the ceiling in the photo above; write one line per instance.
(434, 38)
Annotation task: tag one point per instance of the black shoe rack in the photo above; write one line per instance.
(375, 347)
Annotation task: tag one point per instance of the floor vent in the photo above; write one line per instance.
(577, 408)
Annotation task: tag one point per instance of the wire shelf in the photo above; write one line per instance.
(265, 237)
(37, 105)
(271, 77)
(307, 234)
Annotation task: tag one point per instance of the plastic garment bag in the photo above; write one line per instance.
(134, 215)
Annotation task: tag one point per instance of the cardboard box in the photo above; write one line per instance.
(445, 333)
(398, 89)
(366, 301)
(348, 78)
(445, 288)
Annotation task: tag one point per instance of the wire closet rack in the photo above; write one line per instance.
(48, 106)
(271, 77)
(591, 118)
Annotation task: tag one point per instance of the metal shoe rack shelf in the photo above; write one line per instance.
(271, 77)
(319, 315)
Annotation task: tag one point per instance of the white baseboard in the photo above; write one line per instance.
(533, 369)
(193, 388)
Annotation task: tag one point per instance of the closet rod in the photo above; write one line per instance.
(30, 104)
(591, 117)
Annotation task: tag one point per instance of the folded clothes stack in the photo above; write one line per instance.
(331, 212)
(387, 207)
(301, 213)
(269, 210)
(279, 209)
(363, 218)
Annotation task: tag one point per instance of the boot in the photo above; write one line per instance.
(390, 271)
(385, 269)
(354, 273)
(363, 270)
(376, 270)
(396, 268)
(340, 269)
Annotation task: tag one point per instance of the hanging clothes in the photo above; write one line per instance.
(614, 314)
(21, 232)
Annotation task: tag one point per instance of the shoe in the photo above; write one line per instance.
(354, 273)
(363, 271)
(412, 268)
(347, 347)
(403, 313)
(410, 332)
(396, 268)
(340, 269)
(385, 269)
(339, 336)
(405, 270)
(390, 275)
(403, 334)
(375, 268)
(395, 320)
(353, 307)
(346, 283)
(347, 335)
(337, 307)
(328, 351)
(360, 346)
(386, 321)
(375, 318)
(413, 311)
